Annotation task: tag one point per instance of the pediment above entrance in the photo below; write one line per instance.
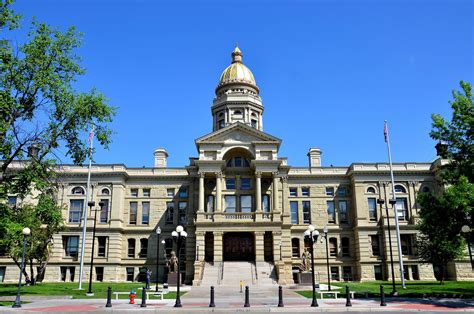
(238, 133)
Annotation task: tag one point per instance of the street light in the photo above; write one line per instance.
(466, 230)
(381, 202)
(158, 232)
(178, 236)
(312, 235)
(92, 204)
(325, 231)
(26, 232)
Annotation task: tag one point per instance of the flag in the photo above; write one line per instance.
(91, 135)
(385, 131)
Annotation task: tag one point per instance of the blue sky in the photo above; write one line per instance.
(329, 72)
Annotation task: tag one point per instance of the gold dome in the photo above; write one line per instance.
(237, 72)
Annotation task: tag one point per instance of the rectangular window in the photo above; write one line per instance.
(71, 245)
(75, 211)
(246, 203)
(333, 247)
(104, 211)
(294, 212)
(306, 212)
(133, 213)
(414, 272)
(230, 184)
(406, 273)
(378, 272)
(402, 210)
(266, 203)
(210, 204)
(343, 211)
(405, 243)
(169, 212)
(329, 191)
(229, 204)
(102, 246)
(335, 273)
(145, 213)
(372, 203)
(341, 191)
(143, 248)
(131, 248)
(183, 192)
(130, 274)
(182, 208)
(134, 192)
(146, 192)
(170, 192)
(238, 161)
(305, 191)
(345, 247)
(99, 274)
(347, 273)
(2, 273)
(245, 184)
(293, 192)
(374, 239)
(331, 212)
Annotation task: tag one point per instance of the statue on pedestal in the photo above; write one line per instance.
(305, 265)
(172, 263)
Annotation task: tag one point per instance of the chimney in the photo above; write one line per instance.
(160, 158)
(314, 156)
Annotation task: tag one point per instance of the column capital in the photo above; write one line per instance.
(258, 174)
(201, 174)
(218, 174)
(385, 183)
(284, 179)
(200, 234)
(259, 233)
(218, 233)
(414, 183)
(275, 174)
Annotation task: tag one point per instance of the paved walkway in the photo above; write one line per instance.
(229, 299)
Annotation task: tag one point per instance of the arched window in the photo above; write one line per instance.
(143, 247)
(131, 248)
(78, 190)
(105, 191)
(295, 247)
(371, 190)
(332, 247)
(425, 189)
(238, 162)
(400, 189)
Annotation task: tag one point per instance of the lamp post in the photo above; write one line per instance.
(158, 232)
(325, 231)
(312, 235)
(26, 232)
(466, 230)
(92, 204)
(178, 235)
(381, 202)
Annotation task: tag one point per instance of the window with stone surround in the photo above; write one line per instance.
(133, 213)
(343, 217)
(306, 212)
(131, 248)
(372, 204)
(145, 213)
(294, 212)
(375, 241)
(169, 212)
(331, 212)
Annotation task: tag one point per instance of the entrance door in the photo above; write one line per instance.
(239, 246)
(209, 247)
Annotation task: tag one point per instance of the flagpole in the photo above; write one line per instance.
(397, 227)
(84, 210)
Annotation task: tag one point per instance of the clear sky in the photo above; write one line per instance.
(329, 72)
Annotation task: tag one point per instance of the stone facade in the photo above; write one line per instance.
(240, 200)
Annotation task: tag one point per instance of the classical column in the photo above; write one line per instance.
(284, 181)
(259, 246)
(258, 191)
(200, 246)
(218, 192)
(276, 206)
(218, 253)
(201, 192)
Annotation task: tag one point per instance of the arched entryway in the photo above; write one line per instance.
(239, 246)
(209, 247)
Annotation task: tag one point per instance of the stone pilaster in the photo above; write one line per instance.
(259, 246)
(201, 192)
(218, 252)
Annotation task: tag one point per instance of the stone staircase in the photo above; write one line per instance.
(266, 274)
(211, 275)
(252, 274)
(234, 272)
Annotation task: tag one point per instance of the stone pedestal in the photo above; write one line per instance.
(172, 279)
(305, 279)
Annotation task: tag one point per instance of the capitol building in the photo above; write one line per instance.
(244, 208)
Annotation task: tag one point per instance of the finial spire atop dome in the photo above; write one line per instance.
(236, 54)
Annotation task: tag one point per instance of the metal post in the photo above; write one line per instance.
(394, 288)
(314, 303)
(211, 303)
(157, 259)
(247, 302)
(470, 251)
(348, 297)
(91, 204)
(143, 297)
(280, 297)
(17, 303)
(109, 297)
(327, 261)
(178, 298)
(382, 296)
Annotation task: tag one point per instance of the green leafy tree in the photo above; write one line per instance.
(441, 219)
(42, 117)
(456, 137)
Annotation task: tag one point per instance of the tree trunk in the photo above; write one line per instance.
(32, 272)
(25, 273)
(442, 273)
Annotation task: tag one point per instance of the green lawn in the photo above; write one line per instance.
(70, 289)
(9, 303)
(414, 289)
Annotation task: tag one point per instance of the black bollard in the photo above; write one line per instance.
(280, 297)
(211, 303)
(109, 297)
(348, 297)
(382, 296)
(143, 297)
(247, 303)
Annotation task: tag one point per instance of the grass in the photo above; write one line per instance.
(70, 289)
(414, 289)
(10, 303)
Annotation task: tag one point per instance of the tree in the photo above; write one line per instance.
(42, 117)
(441, 219)
(456, 137)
